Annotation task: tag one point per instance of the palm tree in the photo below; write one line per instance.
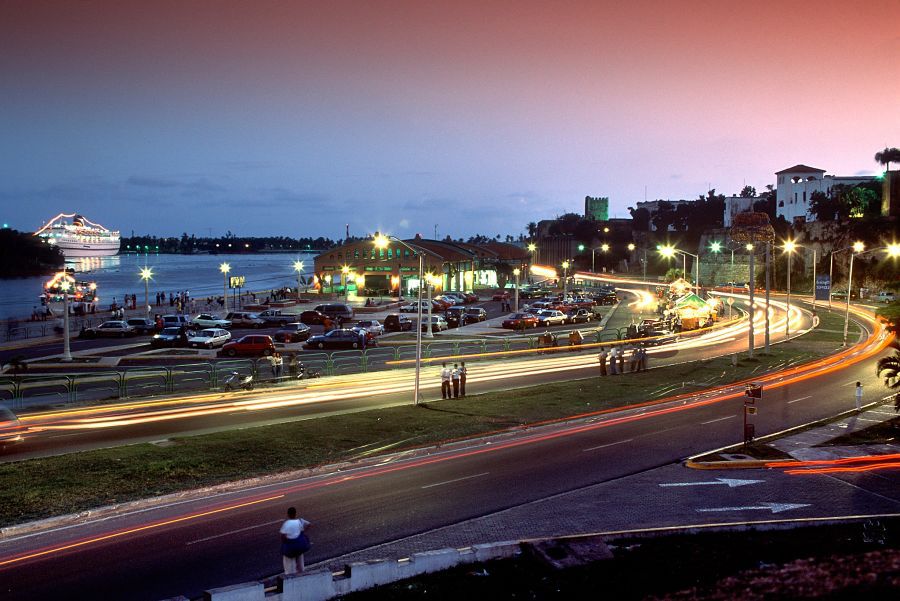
(890, 367)
(888, 156)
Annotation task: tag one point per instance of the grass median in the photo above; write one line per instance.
(40, 488)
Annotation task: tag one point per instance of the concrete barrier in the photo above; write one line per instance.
(362, 575)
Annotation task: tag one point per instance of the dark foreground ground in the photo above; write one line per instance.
(853, 561)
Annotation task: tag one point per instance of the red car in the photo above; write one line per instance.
(440, 304)
(518, 321)
(503, 295)
(253, 344)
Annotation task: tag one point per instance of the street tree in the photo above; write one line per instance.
(888, 156)
(747, 192)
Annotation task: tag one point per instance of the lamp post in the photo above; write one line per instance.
(428, 279)
(752, 290)
(146, 275)
(381, 241)
(328, 278)
(67, 348)
(516, 273)
(565, 266)
(298, 267)
(670, 251)
(225, 268)
(535, 255)
(632, 247)
(789, 248)
(858, 248)
(345, 271)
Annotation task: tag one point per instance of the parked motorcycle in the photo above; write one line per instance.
(306, 373)
(236, 380)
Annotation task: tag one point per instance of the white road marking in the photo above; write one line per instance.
(729, 482)
(803, 398)
(202, 540)
(712, 421)
(603, 446)
(773, 507)
(455, 480)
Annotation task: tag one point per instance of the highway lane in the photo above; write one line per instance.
(142, 421)
(400, 496)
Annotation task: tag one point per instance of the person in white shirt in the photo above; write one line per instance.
(859, 393)
(291, 559)
(454, 375)
(445, 382)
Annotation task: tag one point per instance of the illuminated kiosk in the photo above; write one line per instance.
(692, 311)
(82, 295)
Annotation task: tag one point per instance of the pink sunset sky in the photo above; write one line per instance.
(298, 117)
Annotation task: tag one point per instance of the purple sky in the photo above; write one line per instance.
(297, 117)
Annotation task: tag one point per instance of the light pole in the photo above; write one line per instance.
(298, 267)
(516, 273)
(565, 266)
(632, 247)
(670, 251)
(67, 349)
(381, 241)
(225, 268)
(535, 255)
(345, 271)
(146, 275)
(428, 279)
(789, 248)
(857, 248)
(752, 289)
(328, 278)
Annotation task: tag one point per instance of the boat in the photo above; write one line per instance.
(76, 236)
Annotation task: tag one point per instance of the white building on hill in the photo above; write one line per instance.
(794, 187)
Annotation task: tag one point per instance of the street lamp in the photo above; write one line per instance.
(381, 241)
(429, 333)
(147, 275)
(565, 266)
(345, 271)
(789, 248)
(632, 247)
(298, 267)
(67, 349)
(858, 248)
(516, 273)
(670, 251)
(225, 268)
(535, 255)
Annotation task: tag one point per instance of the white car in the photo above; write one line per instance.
(208, 320)
(438, 323)
(209, 338)
(373, 326)
(551, 317)
(414, 308)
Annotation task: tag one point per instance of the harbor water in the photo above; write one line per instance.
(199, 275)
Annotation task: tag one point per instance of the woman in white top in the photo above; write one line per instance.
(290, 532)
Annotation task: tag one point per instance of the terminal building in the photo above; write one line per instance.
(394, 270)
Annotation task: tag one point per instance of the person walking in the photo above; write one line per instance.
(463, 371)
(454, 375)
(602, 357)
(294, 542)
(613, 361)
(445, 382)
(859, 392)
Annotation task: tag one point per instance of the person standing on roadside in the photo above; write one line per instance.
(613, 361)
(445, 382)
(454, 375)
(293, 542)
(279, 365)
(859, 392)
(621, 360)
(463, 371)
(602, 357)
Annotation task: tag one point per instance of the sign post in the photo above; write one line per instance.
(236, 282)
(823, 287)
(753, 392)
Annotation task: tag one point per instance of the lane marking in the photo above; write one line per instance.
(603, 446)
(720, 419)
(803, 398)
(455, 480)
(203, 540)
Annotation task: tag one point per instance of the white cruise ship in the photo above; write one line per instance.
(77, 237)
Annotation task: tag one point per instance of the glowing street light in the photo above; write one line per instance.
(670, 251)
(64, 285)
(147, 275)
(516, 273)
(565, 266)
(225, 268)
(345, 271)
(298, 267)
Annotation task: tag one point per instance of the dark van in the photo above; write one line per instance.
(335, 310)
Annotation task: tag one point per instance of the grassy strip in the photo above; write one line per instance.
(39, 488)
(773, 564)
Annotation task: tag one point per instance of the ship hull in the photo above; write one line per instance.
(92, 249)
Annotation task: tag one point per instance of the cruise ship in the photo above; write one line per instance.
(78, 237)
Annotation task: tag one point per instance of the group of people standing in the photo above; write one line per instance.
(614, 362)
(453, 381)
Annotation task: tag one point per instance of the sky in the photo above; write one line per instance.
(296, 118)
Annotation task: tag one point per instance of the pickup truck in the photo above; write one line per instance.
(276, 317)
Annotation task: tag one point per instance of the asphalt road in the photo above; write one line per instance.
(233, 538)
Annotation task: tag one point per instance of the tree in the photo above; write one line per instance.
(889, 368)
(532, 230)
(747, 192)
(888, 156)
(640, 218)
(824, 206)
(664, 217)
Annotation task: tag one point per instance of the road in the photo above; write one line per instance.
(186, 547)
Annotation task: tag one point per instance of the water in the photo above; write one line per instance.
(199, 274)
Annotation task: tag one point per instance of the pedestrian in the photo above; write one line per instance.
(859, 391)
(633, 360)
(279, 365)
(613, 357)
(271, 360)
(445, 382)
(362, 338)
(294, 542)
(463, 372)
(454, 375)
(602, 357)
(643, 358)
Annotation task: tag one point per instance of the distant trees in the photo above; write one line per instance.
(843, 202)
(23, 254)
(747, 192)
(229, 243)
(888, 156)
(641, 219)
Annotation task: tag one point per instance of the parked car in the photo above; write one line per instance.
(371, 325)
(208, 320)
(293, 332)
(335, 339)
(438, 323)
(110, 329)
(441, 304)
(579, 316)
(11, 429)
(414, 307)
(606, 298)
(456, 316)
(312, 317)
(551, 317)
(503, 295)
(335, 310)
(371, 339)
(253, 344)
(449, 300)
(141, 325)
(518, 321)
(169, 337)
(458, 297)
(175, 321)
(475, 314)
(244, 319)
(209, 338)
(397, 323)
(275, 317)
(885, 296)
